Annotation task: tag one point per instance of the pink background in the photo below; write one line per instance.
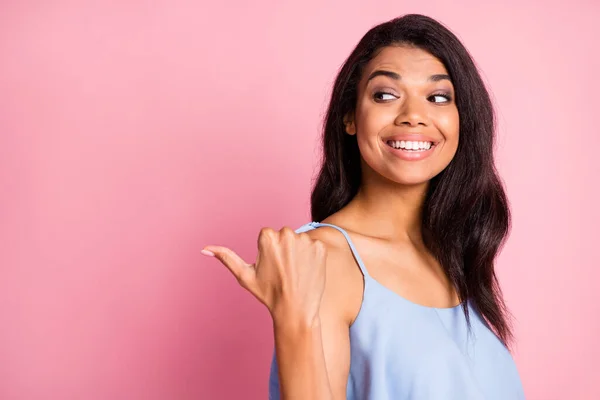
(131, 135)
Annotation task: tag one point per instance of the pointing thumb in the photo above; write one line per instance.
(243, 272)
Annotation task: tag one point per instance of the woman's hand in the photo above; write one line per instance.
(288, 276)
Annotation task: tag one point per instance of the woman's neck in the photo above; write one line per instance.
(391, 212)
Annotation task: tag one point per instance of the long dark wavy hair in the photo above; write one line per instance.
(466, 216)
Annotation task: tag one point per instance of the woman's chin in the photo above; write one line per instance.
(412, 182)
(410, 178)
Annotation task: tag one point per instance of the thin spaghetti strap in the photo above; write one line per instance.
(361, 265)
(305, 228)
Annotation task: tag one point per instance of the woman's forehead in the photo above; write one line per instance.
(405, 58)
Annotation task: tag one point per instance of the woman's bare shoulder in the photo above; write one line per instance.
(331, 237)
(344, 281)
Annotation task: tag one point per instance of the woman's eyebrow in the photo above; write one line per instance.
(394, 75)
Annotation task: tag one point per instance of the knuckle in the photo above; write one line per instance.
(286, 231)
(266, 231)
(319, 245)
(265, 235)
(225, 258)
(305, 236)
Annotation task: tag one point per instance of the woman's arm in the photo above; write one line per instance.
(295, 277)
(301, 362)
(314, 359)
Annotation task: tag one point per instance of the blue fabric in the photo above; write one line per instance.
(400, 350)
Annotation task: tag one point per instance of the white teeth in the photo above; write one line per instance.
(410, 145)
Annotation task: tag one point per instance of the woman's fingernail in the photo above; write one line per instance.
(207, 253)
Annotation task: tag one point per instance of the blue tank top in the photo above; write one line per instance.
(400, 350)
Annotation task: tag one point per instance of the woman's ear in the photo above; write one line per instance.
(349, 123)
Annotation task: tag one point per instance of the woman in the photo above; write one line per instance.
(393, 294)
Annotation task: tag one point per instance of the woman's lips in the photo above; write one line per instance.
(410, 155)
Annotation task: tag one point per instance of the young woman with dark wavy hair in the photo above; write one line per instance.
(390, 291)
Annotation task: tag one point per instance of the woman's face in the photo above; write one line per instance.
(406, 120)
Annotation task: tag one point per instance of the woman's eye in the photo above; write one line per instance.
(381, 96)
(440, 98)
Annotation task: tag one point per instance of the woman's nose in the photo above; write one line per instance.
(412, 113)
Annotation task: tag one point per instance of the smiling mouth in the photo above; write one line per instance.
(411, 146)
